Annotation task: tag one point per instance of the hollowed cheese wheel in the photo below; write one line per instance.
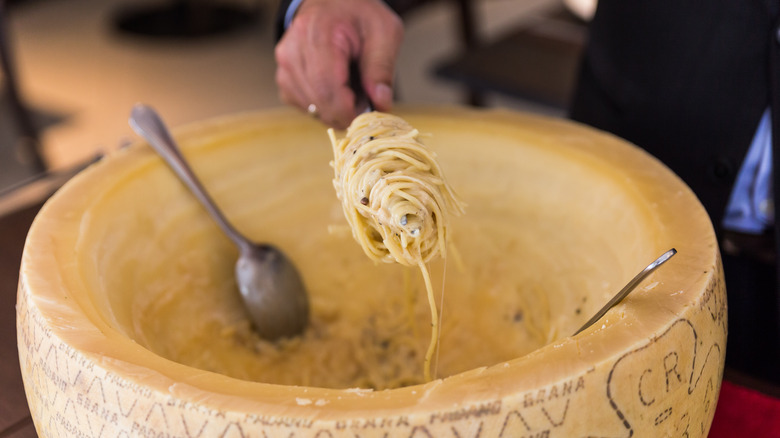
(559, 216)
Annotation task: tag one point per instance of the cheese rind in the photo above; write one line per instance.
(653, 365)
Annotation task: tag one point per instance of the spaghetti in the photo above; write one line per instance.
(394, 197)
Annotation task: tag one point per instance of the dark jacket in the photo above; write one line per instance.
(688, 81)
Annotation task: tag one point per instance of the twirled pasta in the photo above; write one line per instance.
(392, 190)
(394, 197)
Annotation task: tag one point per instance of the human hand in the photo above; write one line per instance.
(314, 55)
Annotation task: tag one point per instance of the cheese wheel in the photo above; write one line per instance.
(124, 307)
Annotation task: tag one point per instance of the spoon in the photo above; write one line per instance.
(271, 288)
(629, 287)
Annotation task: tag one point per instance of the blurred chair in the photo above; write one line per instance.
(27, 145)
(536, 62)
(467, 18)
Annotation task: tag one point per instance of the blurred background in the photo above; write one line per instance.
(73, 69)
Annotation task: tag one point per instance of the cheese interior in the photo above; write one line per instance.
(535, 255)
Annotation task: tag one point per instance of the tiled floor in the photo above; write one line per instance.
(75, 66)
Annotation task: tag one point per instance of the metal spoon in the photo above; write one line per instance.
(270, 286)
(629, 287)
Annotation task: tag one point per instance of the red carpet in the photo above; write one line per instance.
(745, 413)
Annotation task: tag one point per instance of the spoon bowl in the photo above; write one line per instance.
(270, 285)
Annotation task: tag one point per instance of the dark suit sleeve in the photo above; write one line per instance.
(279, 20)
(399, 6)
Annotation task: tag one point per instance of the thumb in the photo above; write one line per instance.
(378, 60)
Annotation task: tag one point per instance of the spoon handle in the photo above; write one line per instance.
(148, 124)
(629, 287)
(362, 101)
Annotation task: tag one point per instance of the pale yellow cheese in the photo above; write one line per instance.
(129, 323)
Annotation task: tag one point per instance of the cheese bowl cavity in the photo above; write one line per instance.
(129, 323)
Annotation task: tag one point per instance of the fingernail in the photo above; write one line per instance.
(383, 95)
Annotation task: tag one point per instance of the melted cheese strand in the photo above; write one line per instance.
(432, 346)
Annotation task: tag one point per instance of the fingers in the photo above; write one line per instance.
(288, 77)
(311, 68)
(314, 54)
(382, 41)
(327, 73)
